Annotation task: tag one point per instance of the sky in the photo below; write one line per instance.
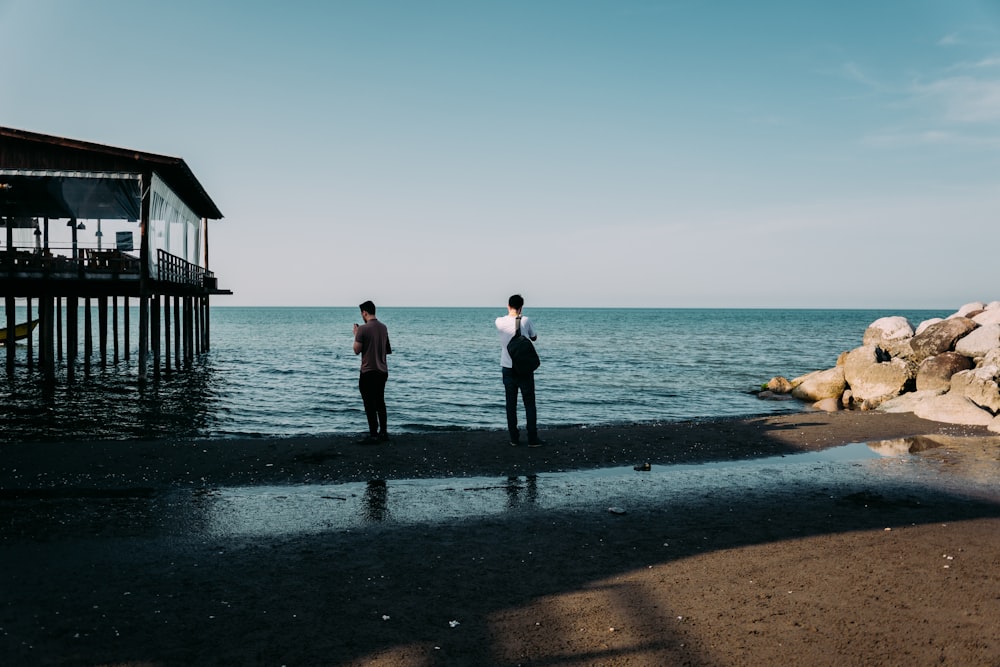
(625, 153)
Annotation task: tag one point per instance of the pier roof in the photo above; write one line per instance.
(43, 175)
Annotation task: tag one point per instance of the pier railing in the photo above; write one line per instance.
(102, 263)
(173, 269)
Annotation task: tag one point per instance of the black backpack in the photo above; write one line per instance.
(522, 352)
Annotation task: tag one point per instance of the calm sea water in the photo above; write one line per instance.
(291, 371)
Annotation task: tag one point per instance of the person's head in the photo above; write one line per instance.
(367, 308)
(515, 303)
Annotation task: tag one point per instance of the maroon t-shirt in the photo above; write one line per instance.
(374, 339)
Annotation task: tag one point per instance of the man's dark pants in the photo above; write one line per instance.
(372, 386)
(525, 382)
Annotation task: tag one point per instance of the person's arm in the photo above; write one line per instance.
(532, 335)
(357, 343)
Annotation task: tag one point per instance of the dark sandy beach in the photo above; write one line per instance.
(96, 570)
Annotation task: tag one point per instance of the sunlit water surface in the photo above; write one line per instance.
(291, 371)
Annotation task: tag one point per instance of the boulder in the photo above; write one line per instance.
(935, 372)
(886, 331)
(819, 385)
(978, 342)
(827, 405)
(940, 337)
(908, 402)
(988, 316)
(979, 386)
(969, 308)
(872, 382)
(778, 385)
(991, 358)
(926, 323)
(952, 409)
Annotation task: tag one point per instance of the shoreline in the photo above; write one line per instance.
(329, 459)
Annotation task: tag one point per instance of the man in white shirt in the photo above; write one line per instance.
(514, 381)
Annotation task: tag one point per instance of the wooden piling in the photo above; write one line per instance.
(11, 324)
(166, 334)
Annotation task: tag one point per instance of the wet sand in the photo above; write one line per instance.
(106, 561)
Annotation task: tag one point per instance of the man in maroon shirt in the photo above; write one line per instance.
(371, 341)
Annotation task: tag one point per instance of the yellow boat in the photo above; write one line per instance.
(21, 331)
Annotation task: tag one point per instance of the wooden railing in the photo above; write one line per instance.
(173, 269)
(170, 268)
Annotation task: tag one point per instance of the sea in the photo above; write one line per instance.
(275, 372)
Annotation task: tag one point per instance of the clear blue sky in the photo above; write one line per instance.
(612, 153)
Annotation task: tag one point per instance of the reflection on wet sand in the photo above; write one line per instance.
(905, 468)
(881, 467)
(518, 495)
(375, 501)
(974, 459)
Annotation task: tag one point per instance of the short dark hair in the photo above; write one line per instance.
(516, 302)
(368, 307)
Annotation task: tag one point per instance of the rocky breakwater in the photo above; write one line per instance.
(945, 370)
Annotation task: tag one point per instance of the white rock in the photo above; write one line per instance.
(952, 409)
(991, 316)
(818, 385)
(887, 329)
(969, 308)
(872, 382)
(908, 402)
(978, 342)
(979, 385)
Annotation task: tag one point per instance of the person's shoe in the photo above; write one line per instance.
(383, 437)
(536, 443)
(515, 443)
(368, 440)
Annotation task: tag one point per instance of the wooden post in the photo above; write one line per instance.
(143, 335)
(72, 322)
(48, 333)
(145, 188)
(204, 224)
(88, 336)
(208, 328)
(11, 324)
(114, 326)
(102, 328)
(154, 332)
(177, 332)
(43, 353)
(127, 314)
(59, 329)
(196, 307)
(166, 334)
(31, 335)
(41, 330)
(188, 331)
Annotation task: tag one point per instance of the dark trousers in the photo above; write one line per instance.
(525, 382)
(372, 386)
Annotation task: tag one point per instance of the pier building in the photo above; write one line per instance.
(90, 227)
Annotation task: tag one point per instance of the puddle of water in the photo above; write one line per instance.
(240, 512)
(272, 510)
